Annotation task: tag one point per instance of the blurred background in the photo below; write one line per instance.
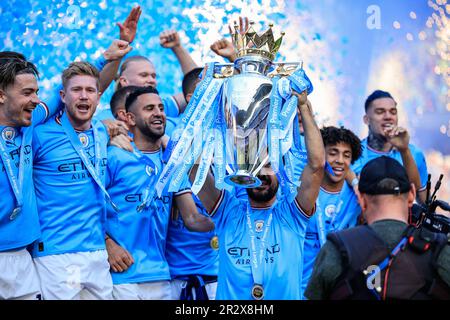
(349, 48)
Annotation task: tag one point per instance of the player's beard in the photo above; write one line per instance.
(152, 134)
(264, 195)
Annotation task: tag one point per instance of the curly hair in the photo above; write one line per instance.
(332, 136)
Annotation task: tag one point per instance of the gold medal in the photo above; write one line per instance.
(214, 242)
(257, 292)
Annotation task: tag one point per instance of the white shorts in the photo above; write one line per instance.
(155, 290)
(18, 276)
(178, 285)
(75, 276)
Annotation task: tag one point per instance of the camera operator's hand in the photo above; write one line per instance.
(398, 137)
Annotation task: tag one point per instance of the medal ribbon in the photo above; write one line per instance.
(99, 154)
(148, 191)
(204, 104)
(15, 182)
(256, 262)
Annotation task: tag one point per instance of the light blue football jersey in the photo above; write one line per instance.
(368, 154)
(190, 253)
(335, 211)
(282, 259)
(144, 233)
(12, 234)
(70, 204)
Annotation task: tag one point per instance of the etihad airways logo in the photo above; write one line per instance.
(242, 254)
(78, 169)
(138, 197)
(15, 154)
(77, 166)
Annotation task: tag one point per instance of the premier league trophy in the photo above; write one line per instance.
(240, 117)
(247, 101)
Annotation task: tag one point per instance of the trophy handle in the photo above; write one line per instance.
(284, 69)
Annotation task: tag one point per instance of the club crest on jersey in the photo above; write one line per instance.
(84, 139)
(330, 210)
(259, 224)
(149, 170)
(8, 134)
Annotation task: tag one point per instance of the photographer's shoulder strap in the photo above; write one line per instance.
(438, 289)
(414, 274)
(359, 247)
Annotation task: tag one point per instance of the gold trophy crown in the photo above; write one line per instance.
(250, 43)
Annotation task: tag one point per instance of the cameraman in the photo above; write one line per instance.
(344, 265)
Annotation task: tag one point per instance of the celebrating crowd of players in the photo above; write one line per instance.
(80, 219)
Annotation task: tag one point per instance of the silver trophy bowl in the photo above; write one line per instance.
(246, 109)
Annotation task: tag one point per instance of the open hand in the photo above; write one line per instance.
(129, 27)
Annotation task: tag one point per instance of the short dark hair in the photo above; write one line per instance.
(189, 81)
(332, 136)
(13, 64)
(136, 93)
(119, 98)
(377, 94)
(12, 55)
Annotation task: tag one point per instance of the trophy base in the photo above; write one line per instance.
(243, 179)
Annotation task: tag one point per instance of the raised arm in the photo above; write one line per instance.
(399, 138)
(225, 49)
(113, 55)
(193, 220)
(119, 49)
(209, 195)
(171, 39)
(313, 173)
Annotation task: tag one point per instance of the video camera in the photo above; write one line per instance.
(424, 215)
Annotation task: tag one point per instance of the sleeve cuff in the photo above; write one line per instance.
(181, 192)
(303, 212)
(218, 203)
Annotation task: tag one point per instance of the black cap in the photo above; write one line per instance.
(384, 175)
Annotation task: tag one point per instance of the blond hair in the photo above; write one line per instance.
(81, 68)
